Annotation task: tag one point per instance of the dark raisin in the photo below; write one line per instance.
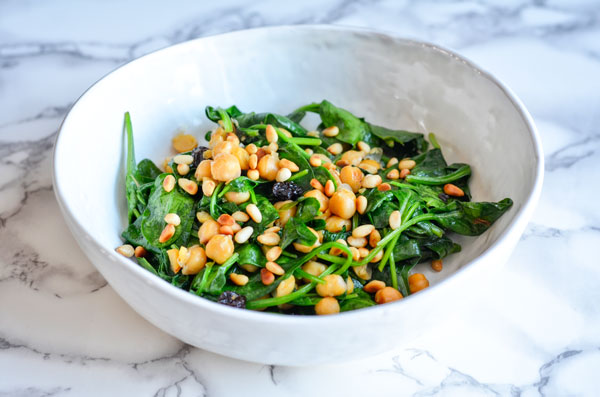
(232, 299)
(287, 191)
(444, 197)
(198, 155)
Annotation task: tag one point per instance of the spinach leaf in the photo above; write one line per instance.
(146, 171)
(296, 228)
(219, 281)
(362, 300)
(471, 218)
(432, 169)
(131, 184)
(405, 143)
(269, 214)
(329, 236)
(352, 129)
(251, 254)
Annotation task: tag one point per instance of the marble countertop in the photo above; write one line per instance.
(535, 330)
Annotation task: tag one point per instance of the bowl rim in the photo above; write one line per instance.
(521, 218)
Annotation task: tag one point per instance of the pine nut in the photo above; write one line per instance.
(269, 239)
(273, 147)
(249, 268)
(140, 252)
(357, 242)
(238, 279)
(173, 219)
(364, 272)
(273, 229)
(169, 183)
(373, 286)
(275, 268)
(260, 153)
(126, 250)
(315, 160)
(208, 230)
(167, 233)
(395, 219)
(316, 184)
(364, 252)
(314, 134)
(231, 137)
(387, 295)
(271, 134)
(393, 174)
(183, 169)
(243, 235)
(374, 238)
(407, 164)
(308, 151)
(384, 187)
(404, 172)
(361, 204)
(329, 188)
(237, 197)
(253, 174)
(337, 251)
(371, 181)
(363, 231)
(370, 166)
(335, 149)
(172, 254)
(392, 161)
(349, 285)
(453, 190)
(273, 253)
(254, 213)
(290, 165)
(363, 146)
(286, 286)
(377, 257)
(283, 175)
(236, 227)
(208, 187)
(189, 186)
(266, 277)
(226, 220)
(437, 265)
(183, 159)
(251, 149)
(226, 230)
(240, 216)
(253, 161)
(203, 216)
(331, 131)
(182, 256)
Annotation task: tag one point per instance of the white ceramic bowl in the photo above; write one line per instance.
(390, 81)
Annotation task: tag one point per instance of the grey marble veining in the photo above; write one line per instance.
(535, 331)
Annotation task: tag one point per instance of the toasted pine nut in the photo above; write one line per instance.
(183, 169)
(173, 219)
(283, 175)
(167, 233)
(208, 187)
(407, 164)
(363, 231)
(374, 286)
(395, 219)
(361, 204)
(357, 242)
(290, 165)
(393, 174)
(271, 134)
(172, 254)
(286, 286)
(183, 159)
(371, 166)
(182, 256)
(254, 212)
(251, 148)
(374, 238)
(208, 230)
(203, 216)
(377, 257)
(253, 174)
(189, 186)
(253, 161)
(384, 187)
(363, 146)
(364, 272)
(140, 251)
(392, 161)
(453, 190)
(240, 216)
(331, 131)
(363, 252)
(236, 227)
(315, 160)
(437, 265)
(316, 184)
(226, 230)
(266, 277)
(249, 268)
(273, 147)
(243, 235)
(335, 149)
(269, 239)
(337, 251)
(260, 153)
(273, 253)
(275, 268)
(355, 254)
(329, 188)
(226, 220)
(169, 183)
(309, 151)
(238, 279)
(126, 250)
(314, 134)
(273, 229)
(371, 181)
(404, 172)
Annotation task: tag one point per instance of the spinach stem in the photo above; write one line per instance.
(311, 107)
(433, 140)
(213, 201)
(306, 141)
(393, 273)
(440, 180)
(287, 140)
(297, 175)
(302, 273)
(227, 124)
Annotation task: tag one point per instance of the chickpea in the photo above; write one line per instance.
(222, 147)
(387, 295)
(306, 249)
(314, 268)
(321, 197)
(352, 176)
(417, 282)
(196, 261)
(437, 265)
(327, 306)
(203, 170)
(343, 204)
(216, 137)
(286, 286)
(209, 228)
(237, 197)
(225, 167)
(267, 167)
(335, 224)
(371, 166)
(184, 142)
(334, 286)
(220, 248)
(242, 156)
(285, 214)
(352, 157)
